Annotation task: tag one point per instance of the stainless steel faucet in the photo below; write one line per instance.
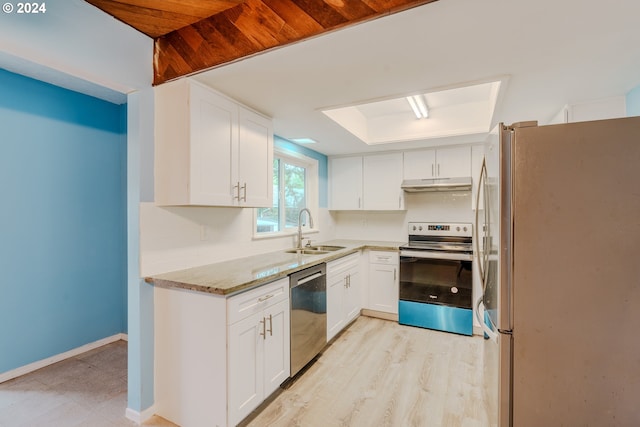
(300, 224)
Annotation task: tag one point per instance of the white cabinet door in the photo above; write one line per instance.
(383, 288)
(443, 162)
(246, 367)
(214, 121)
(453, 162)
(254, 160)
(336, 285)
(258, 346)
(276, 346)
(384, 281)
(351, 304)
(343, 293)
(382, 181)
(345, 183)
(419, 164)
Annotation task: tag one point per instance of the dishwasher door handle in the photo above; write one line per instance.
(309, 278)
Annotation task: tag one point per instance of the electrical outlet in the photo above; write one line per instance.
(204, 233)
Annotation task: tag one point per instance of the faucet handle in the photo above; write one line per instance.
(308, 242)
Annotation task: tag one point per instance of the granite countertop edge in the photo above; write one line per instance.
(205, 279)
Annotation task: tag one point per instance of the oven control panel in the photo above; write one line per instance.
(440, 229)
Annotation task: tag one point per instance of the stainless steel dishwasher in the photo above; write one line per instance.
(308, 315)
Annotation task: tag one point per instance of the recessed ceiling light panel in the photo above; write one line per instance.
(460, 111)
(303, 140)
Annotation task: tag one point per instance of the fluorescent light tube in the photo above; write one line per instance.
(304, 140)
(418, 106)
(414, 107)
(422, 106)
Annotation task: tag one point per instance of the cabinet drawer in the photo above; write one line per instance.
(380, 257)
(343, 264)
(254, 301)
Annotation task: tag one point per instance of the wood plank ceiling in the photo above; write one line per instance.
(196, 35)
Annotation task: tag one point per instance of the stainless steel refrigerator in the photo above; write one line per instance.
(558, 246)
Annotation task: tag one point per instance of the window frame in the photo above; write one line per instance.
(311, 194)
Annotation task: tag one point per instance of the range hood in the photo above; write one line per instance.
(436, 184)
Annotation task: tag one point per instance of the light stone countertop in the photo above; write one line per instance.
(230, 277)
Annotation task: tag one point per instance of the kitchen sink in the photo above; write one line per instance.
(306, 251)
(327, 248)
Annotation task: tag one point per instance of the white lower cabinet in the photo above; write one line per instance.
(343, 293)
(384, 281)
(258, 347)
(217, 358)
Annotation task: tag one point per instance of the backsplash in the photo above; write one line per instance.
(175, 238)
(392, 225)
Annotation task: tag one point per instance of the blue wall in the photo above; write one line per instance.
(63, 254)
(323, 182)
(633, 102)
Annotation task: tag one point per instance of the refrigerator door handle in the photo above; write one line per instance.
(483, 174)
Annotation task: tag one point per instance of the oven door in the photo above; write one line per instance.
(436, 291)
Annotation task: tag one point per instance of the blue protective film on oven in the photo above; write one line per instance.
(434, 316)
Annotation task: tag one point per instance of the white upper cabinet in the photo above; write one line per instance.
(209, 150)
(420, 164)
(366, 183)
(382, 181)
(445, 162)
(597, 109)
(255, 159)
(345, 183)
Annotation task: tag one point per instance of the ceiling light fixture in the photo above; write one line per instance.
(303, 140)
(418, 106)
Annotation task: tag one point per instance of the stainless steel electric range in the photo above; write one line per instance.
(436, 277)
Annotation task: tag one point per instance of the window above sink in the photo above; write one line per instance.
(295, 186)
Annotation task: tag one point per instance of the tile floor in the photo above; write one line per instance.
(87, 390)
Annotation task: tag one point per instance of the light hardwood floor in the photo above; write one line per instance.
(380, 373)
(377, 373)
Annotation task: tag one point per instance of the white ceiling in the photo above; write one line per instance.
(553, 53)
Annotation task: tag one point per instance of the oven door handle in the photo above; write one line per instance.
(436, 255)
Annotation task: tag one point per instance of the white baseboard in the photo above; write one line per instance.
(23, 370)
(140, 417)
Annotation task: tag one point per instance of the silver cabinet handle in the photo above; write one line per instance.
(438, 169)
(359, 202)
(264, 298)
(270, 325)
(244, 188)
(264, 328)
(236, 189)
(432, 171)
(394, 275)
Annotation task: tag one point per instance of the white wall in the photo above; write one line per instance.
(77, 46)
